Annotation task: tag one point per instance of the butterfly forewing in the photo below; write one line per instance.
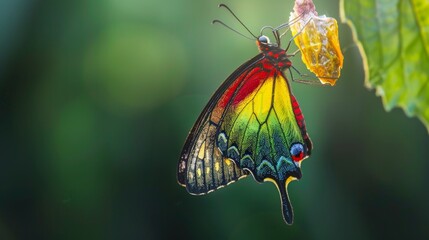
(202, 167)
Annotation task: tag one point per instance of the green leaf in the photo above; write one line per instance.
(393, 37)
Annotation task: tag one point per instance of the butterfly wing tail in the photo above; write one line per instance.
(287, 210)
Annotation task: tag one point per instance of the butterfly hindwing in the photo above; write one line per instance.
(263, 123)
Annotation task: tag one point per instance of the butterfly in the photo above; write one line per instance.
(251, 125)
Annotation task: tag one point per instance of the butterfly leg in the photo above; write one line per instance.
(306, 79)
(294, 53)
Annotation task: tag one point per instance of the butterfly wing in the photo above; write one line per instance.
(250, 125)
(202, 168)
(261, 129)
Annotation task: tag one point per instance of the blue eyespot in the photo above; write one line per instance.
(297, 152)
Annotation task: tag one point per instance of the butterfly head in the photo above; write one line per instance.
(264, 43)
(263, 39)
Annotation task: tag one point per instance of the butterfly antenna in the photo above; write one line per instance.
(230, 28)
(235, 16)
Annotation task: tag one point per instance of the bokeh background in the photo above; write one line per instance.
(97, 98)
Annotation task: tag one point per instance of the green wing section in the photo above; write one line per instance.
(260, 130)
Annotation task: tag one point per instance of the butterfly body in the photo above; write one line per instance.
(252, 124)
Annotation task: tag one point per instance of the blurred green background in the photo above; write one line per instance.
(97, 98)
